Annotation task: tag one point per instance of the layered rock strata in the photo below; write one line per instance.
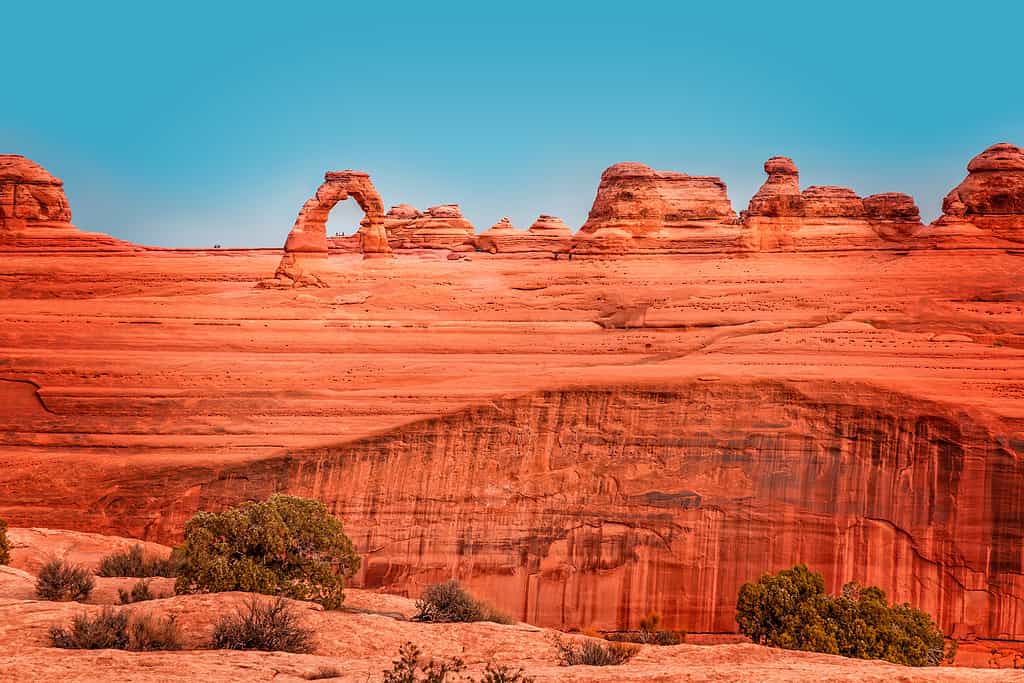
(439, 227)
(309, 233)
(824, 217)
(991, 197)
(662, 211)
(35, 213)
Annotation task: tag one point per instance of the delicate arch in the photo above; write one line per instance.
(309, 234)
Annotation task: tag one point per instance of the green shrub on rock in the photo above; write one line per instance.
(791, 610)
(284, 545)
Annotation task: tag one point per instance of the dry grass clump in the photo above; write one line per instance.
(113, 630)
(135, 563)
(272, 626)
(594, 653)
(450, 602)
(64, 582)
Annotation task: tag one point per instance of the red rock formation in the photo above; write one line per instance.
(35, 214)
(439, 227)
(668, 211)
(581, 443)
(309, 233)
(991, 198)
(824, 217)
(893, 215)
(642, 201)
(780, 194)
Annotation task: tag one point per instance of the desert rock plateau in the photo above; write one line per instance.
(581, 427)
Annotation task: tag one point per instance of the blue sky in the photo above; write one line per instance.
(188, 124)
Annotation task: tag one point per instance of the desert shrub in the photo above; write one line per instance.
(269, 625)
(64, 582)
(323, 673)
(113, 630)
(134, 563)
(649, 633)
(146, 633)
(281, 546)
(107, 630)
(449, 601)
(791, 610)
(139, 592)
(410, 667)
(503, 674)
(594, 652)
(5, 544)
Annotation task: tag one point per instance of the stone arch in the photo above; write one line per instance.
(309, 233)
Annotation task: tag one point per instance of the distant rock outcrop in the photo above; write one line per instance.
(823, 217)
(439, 227)
(309, 233)
(991, 197)
(663, 210)
(35, 213)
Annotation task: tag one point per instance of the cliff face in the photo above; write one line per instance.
(599, 506)
(582, 441)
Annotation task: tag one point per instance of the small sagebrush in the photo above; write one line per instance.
(64, 582)
(5, 545)
(272, 626)
(111, 629)
(503, 674)
(649, 633)
(139, 592)
(594, 653)
(147, 633)
(135, 563)
(450, 602)
(410, 667)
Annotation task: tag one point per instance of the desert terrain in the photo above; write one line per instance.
(692, 399)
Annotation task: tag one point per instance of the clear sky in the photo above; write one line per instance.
(189, 124)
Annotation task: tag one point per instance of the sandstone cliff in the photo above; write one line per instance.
(580, 441)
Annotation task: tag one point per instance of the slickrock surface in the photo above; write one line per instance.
(362, 639)
(35, 214)
(666, 211)
(992, 196)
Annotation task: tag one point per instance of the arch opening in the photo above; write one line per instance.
(344, 219)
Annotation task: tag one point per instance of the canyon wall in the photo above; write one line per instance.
(581, 441)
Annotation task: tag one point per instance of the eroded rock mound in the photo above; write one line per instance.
(991, 197)
(439, 227)
(664, 210)
(35, 213)
(29, 195)
(823, 217)
(309, 233)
